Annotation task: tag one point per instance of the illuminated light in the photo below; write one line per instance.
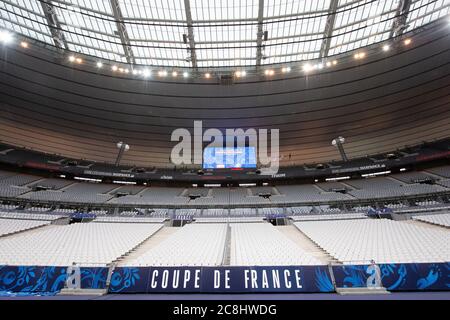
(360, 55)
(72, 58)
(239, 74)
(207, 75)
(134, 72)
(286, 69)
(6, 37)
(320, 66)
(126, 70)
(24, 44)
(162, 73)
(269, 72)
(407, 42)
(243, 73)
(174, 74)
(114, 68)
(335, 62)
(121, 70)
(146, 73)
(99, 64)
(386, 47)
(307, 67)
(185, 74)
(79, 60)
(328, 64)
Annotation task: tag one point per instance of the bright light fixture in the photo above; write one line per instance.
(99, 64)
(307, 67)
(72, 58)
(146, 73)
(6, 37)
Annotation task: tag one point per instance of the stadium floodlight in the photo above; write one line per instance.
(114, 68)
(123, 147)
(407, 41)
(386, 47)
(286, 69)
(72, 58)
(339, 143)
(24, 44)
(307, 67)
(99, 64)
(174, 74)
(146, 73)
(185, 74)
(6, 37)
(359, 55)
(207, 75)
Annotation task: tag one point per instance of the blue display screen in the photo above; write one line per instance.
(222, 158)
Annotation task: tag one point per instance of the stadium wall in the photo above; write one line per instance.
(267, 279)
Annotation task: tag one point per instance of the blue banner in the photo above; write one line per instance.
(48, 278)
(221, 279)
(396, 277)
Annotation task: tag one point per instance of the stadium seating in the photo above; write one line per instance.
(192, 245)
(260, 244)
(385, 241)
(442, 219)
(81, 243)
(8, 226)
(404, 184)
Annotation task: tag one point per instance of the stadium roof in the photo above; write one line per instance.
(215, 33)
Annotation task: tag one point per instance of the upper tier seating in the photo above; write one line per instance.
(443, 171)
(305, 193)
(21, 186)
(82, 243)
(411, 177)
(54, 184)
(261, 244)
(153, 195)
(384, 241)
